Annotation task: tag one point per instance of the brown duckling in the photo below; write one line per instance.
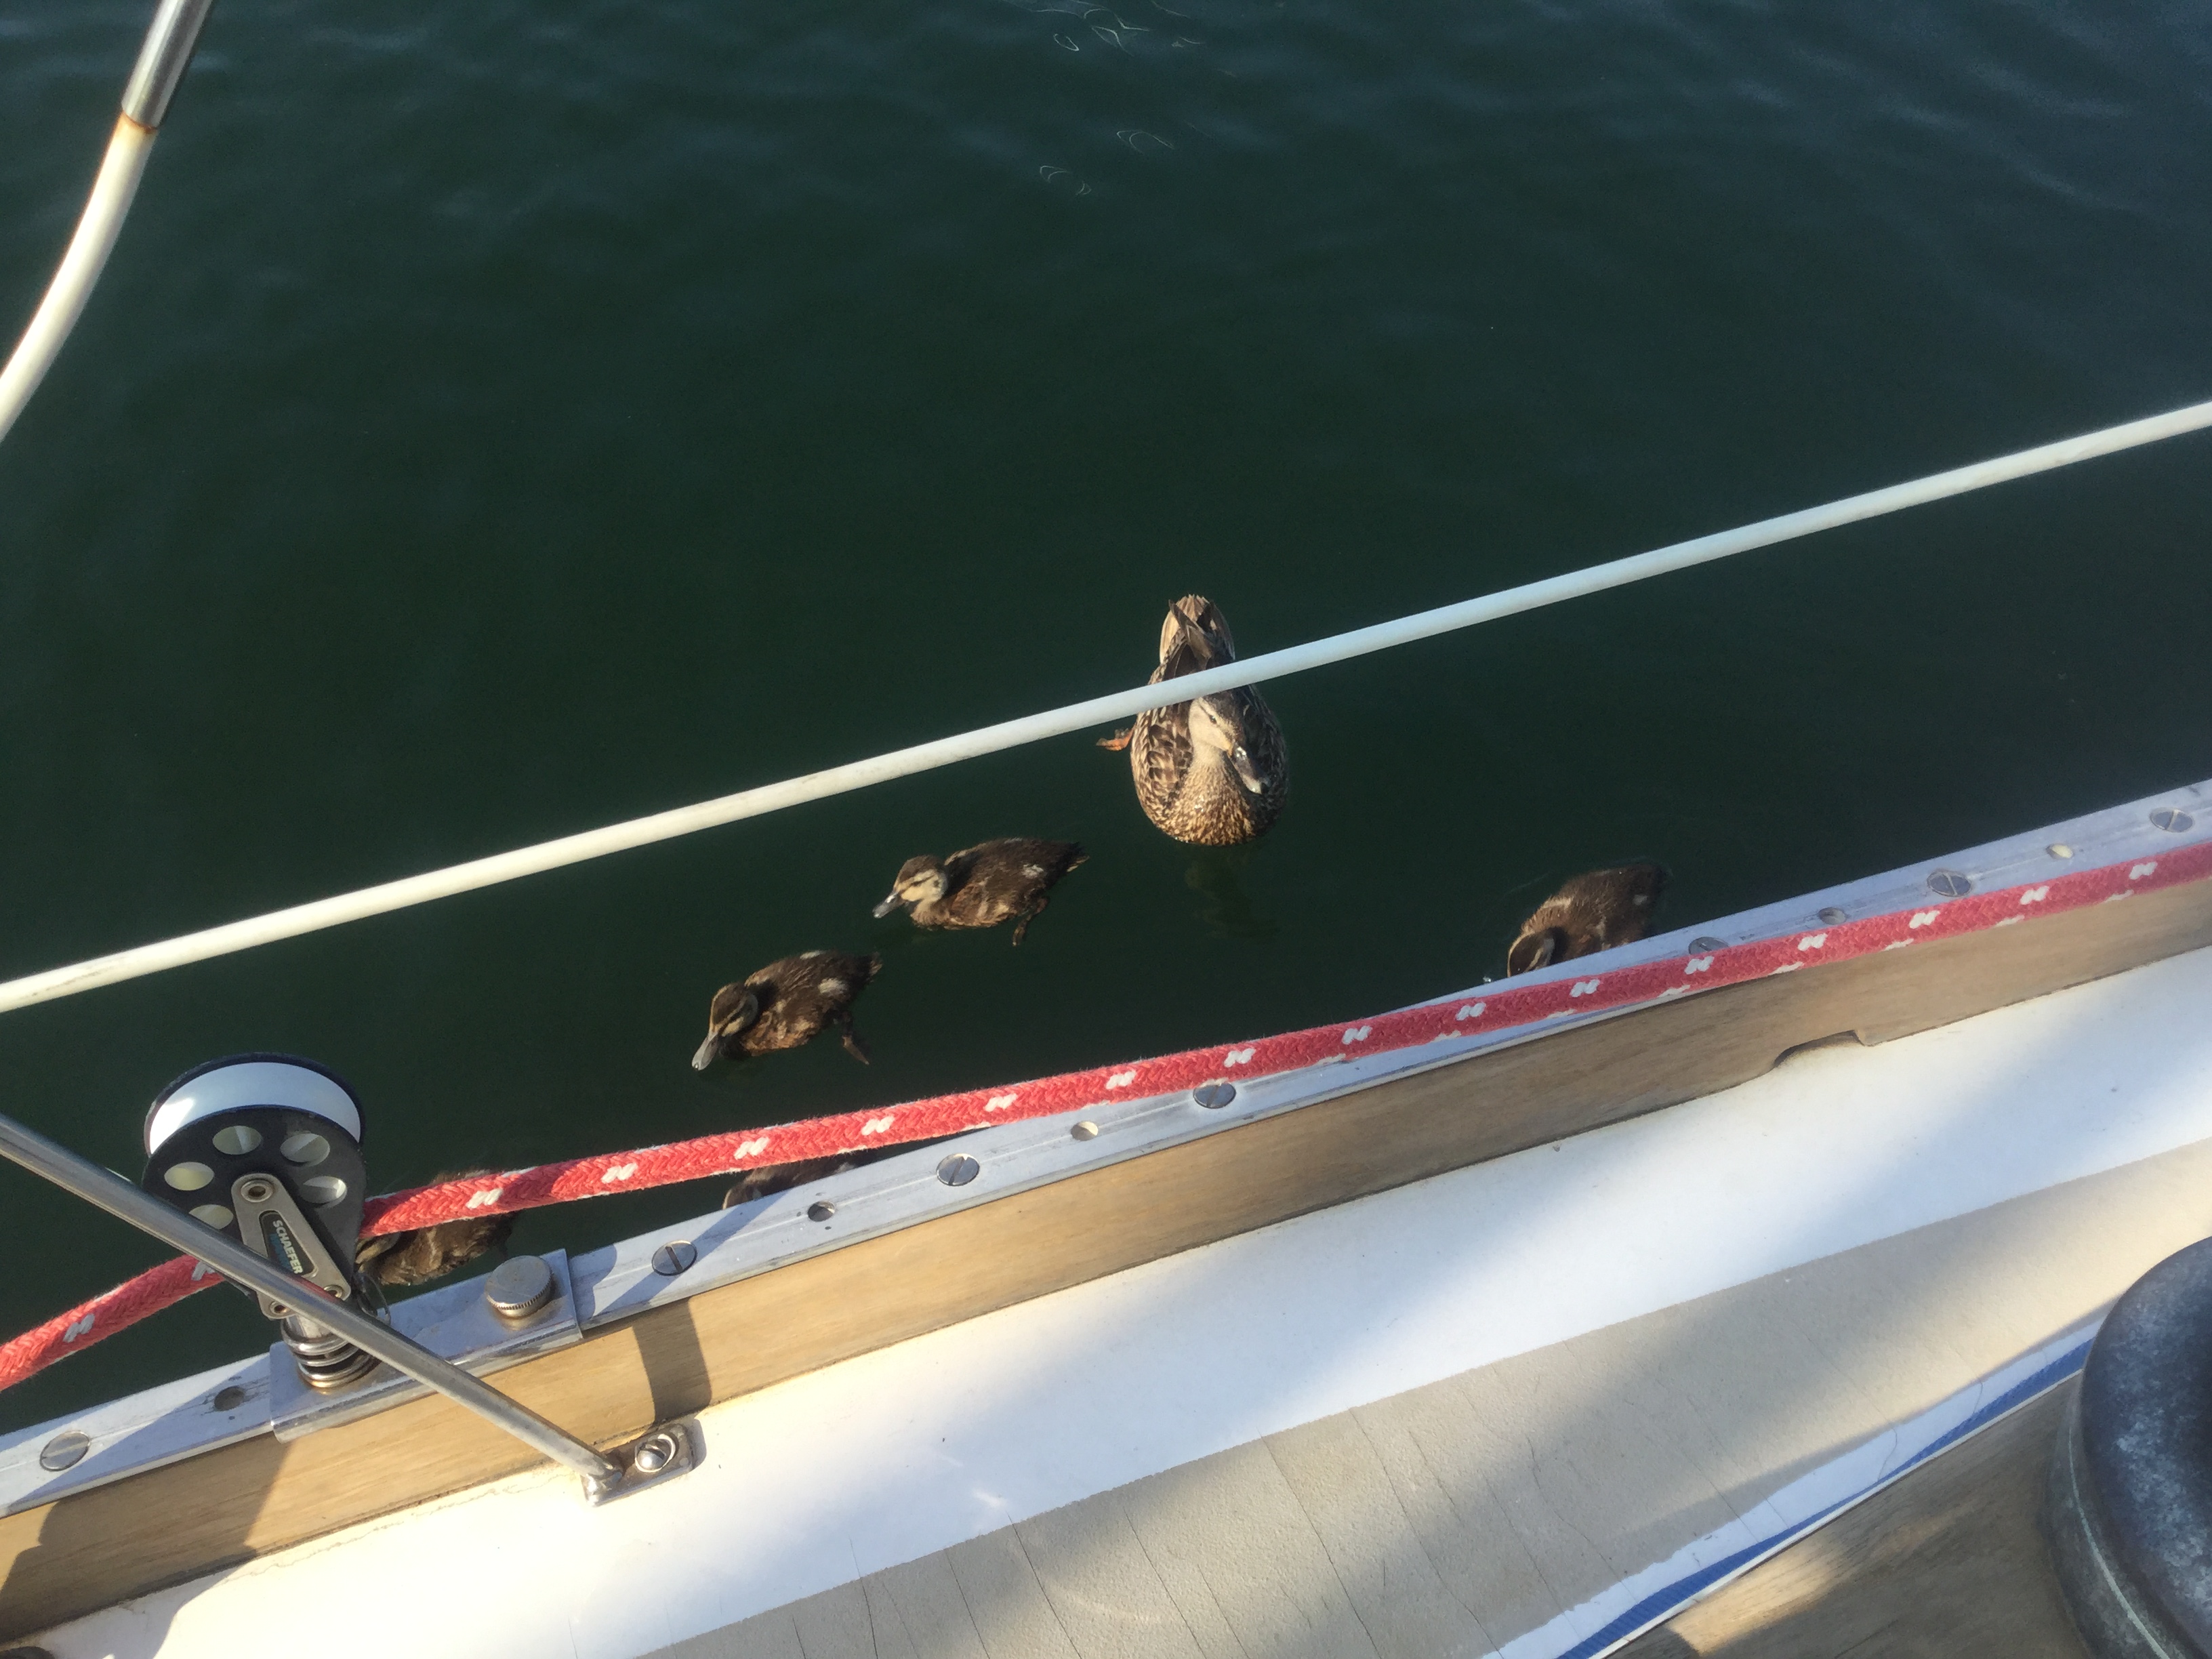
(1213, 771)
(1595, 911)
(786, 1003)
(422, 1254)
(982, 886)
(772, 1178)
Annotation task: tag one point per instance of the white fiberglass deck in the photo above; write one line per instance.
(1486, 1412)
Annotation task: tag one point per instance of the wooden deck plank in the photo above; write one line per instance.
(1947, 1563)
(1335, 1473)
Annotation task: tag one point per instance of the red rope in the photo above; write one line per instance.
(1490, 1010)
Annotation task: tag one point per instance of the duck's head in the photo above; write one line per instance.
(920, 881)
(1218, 723)
(1535, 949)
(735, 1008)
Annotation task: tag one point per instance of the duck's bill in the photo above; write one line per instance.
(708, 1051)
(894, 902)
(1247, 774)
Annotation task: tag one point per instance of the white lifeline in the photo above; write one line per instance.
(888, 1458)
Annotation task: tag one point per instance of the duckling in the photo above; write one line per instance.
(426, 1253)
(1595, 911)
(981, 887)
(1212, 771)
(773, 1178)
(787, 1003)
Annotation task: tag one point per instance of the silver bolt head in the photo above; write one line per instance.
(1085, 1130)
(675, 1257)
(1707, 942)
(820, 1210)
(517, 1289)
(2059, 849)
(958, 1170)
(1950, 883)
(65, 1451)
(2173, 820)
(1834, 917)
(1214, 1095)
(654, 1453)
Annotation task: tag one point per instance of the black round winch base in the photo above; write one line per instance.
(2128, 1505)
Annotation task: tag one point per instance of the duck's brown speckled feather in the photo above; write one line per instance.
(995, 881)
(800, 997)
(1205, 804)
(1595, 911)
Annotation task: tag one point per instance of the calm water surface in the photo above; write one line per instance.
(500, 420)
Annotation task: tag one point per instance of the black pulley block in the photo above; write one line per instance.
(267, 1148)
(2128, 1509)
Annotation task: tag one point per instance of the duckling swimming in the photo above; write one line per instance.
(1213, 771)
(789, 1002)
(422, 1254)
(1595, 911)
(981, 887)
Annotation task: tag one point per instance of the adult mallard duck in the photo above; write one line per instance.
(984, 885)
(789, 1002)
(422, 1254)
(1213, 771)
(1595, 911)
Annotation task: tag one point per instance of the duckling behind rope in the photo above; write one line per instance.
(788, 1003)
(1213, 771)
(983, 885)
(422, 1254)
(1595, 911)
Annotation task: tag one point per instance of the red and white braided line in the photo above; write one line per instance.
(1491, 1010)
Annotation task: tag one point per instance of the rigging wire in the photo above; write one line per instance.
(1074, 717)
(162, 60)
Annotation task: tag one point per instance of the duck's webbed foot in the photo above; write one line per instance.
(1021, 923)
(1120, 740)
(854, 1046)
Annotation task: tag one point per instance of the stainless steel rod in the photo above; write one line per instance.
(111, 1192)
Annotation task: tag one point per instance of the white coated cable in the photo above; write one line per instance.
(1074, 717)
(97, 229)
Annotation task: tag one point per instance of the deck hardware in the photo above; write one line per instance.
(659, 1454)
(82, 1178)
(269, 1147)
(228, 1399)
(820, 1210)
(2173, 820)
(519, 1288)
(675, 1257)
(2059, 849)
(1834, 917)
(65, 1451)
(1706, 942)
(958, 1170)
(1214, 1095)
(1085, 1130)
(1950, 883)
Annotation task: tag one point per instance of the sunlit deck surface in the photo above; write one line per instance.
(1488, 1412)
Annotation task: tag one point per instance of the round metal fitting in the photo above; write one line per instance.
(65, 1451)
(1834, 917)
(1950, 883)
(1707, 942)
(675, 1257)
(516, 1289)
(2059, 849)
(229, 1399)
(1214, 1095)
(1085, 1130)
(958, 1170)
(2173, 820)
(820, 1210)
(654, 1453)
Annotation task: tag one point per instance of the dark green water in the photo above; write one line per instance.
(500, 420)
